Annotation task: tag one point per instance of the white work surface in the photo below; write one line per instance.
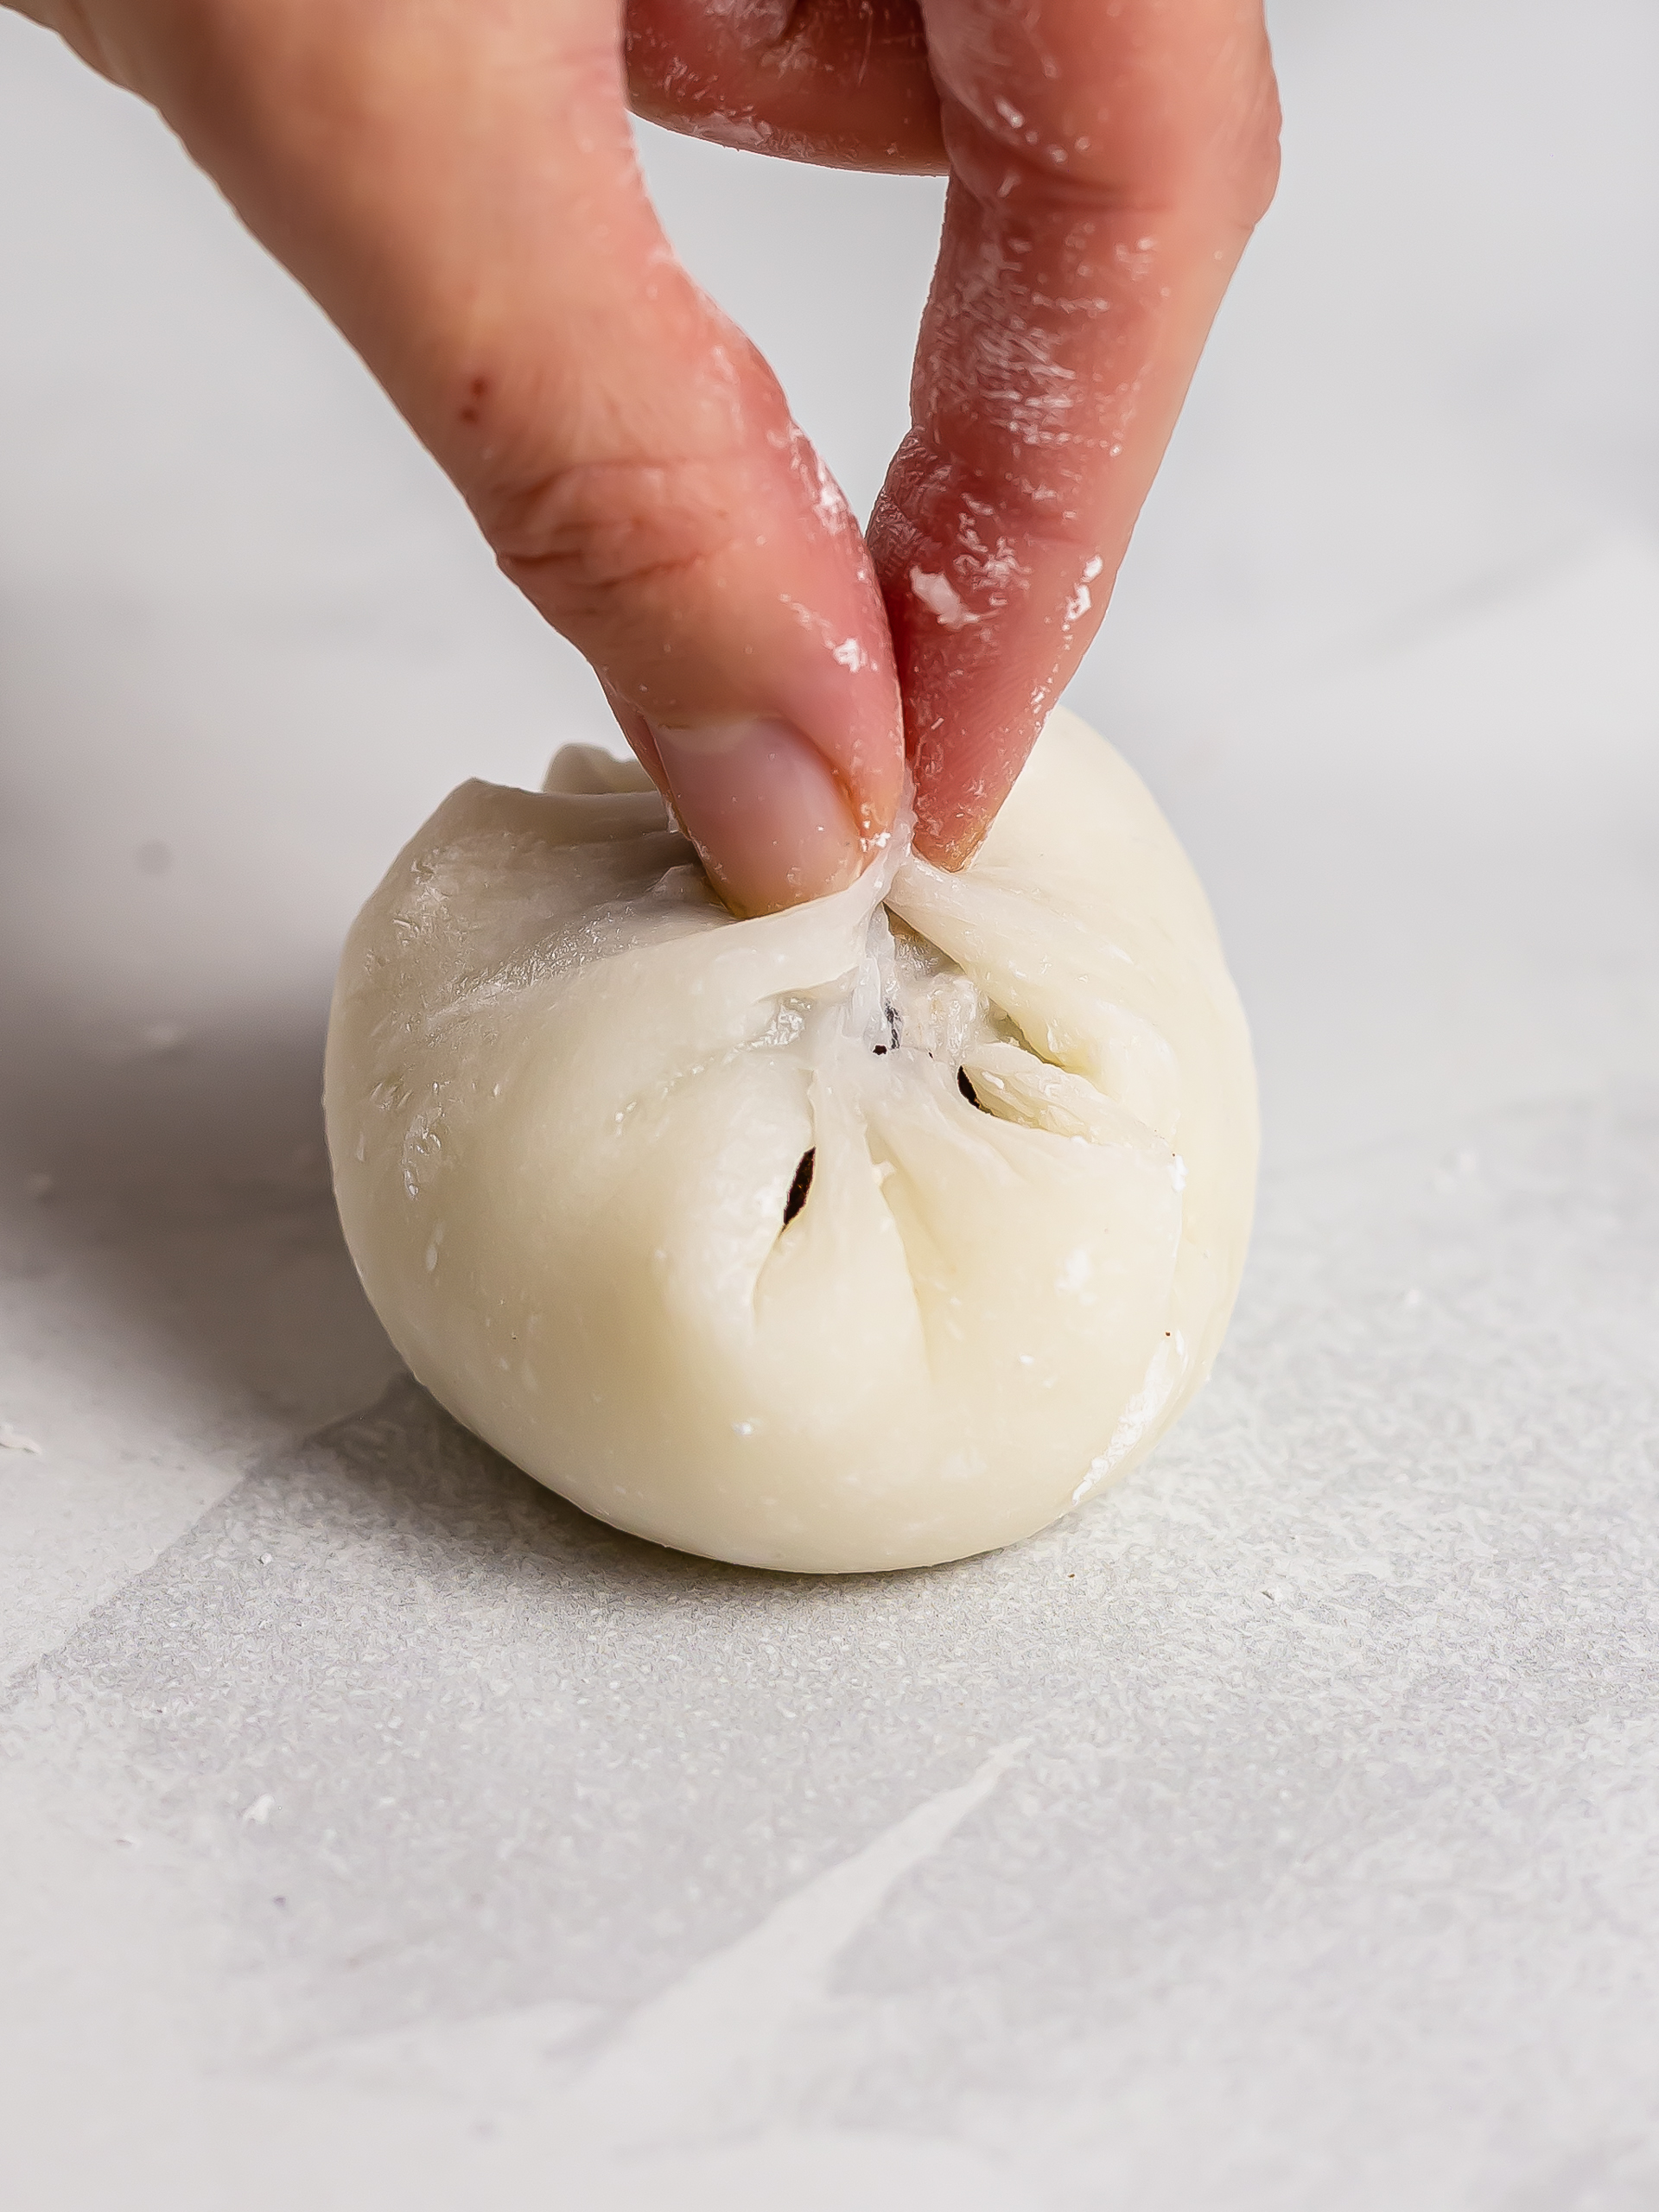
(1283, 1830)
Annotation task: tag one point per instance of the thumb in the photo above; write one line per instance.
(457, 185)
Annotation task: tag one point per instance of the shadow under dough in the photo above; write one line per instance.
(169, 1213)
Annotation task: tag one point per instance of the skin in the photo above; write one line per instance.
(455, 183)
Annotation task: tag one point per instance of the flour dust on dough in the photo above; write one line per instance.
(868, 1235)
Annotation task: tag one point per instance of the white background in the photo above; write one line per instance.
(1283, 1830)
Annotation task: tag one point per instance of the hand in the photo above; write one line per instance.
(455, 182)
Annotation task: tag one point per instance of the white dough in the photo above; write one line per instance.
(569, 1095)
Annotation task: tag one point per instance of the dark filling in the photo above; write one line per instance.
(800, 1186)
(967, 1089)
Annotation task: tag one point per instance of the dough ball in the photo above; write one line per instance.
(868, 1235)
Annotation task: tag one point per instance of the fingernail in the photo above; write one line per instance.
(763, 808)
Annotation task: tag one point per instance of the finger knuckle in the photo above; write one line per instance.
(587, 542)
(1254, 152)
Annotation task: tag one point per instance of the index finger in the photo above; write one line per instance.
(457, 185)
(1109, 159)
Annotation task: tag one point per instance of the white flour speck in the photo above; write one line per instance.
(937, 593)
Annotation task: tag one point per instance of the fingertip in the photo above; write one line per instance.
(988, 611)
(773, 726)
(769, 817)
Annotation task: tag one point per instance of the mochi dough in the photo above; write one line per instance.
(868, 1235)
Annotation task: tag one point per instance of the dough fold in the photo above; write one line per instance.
(868, 1235)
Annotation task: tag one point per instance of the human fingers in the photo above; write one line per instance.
(457, 185)
(1108, 164)
(843, 83)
